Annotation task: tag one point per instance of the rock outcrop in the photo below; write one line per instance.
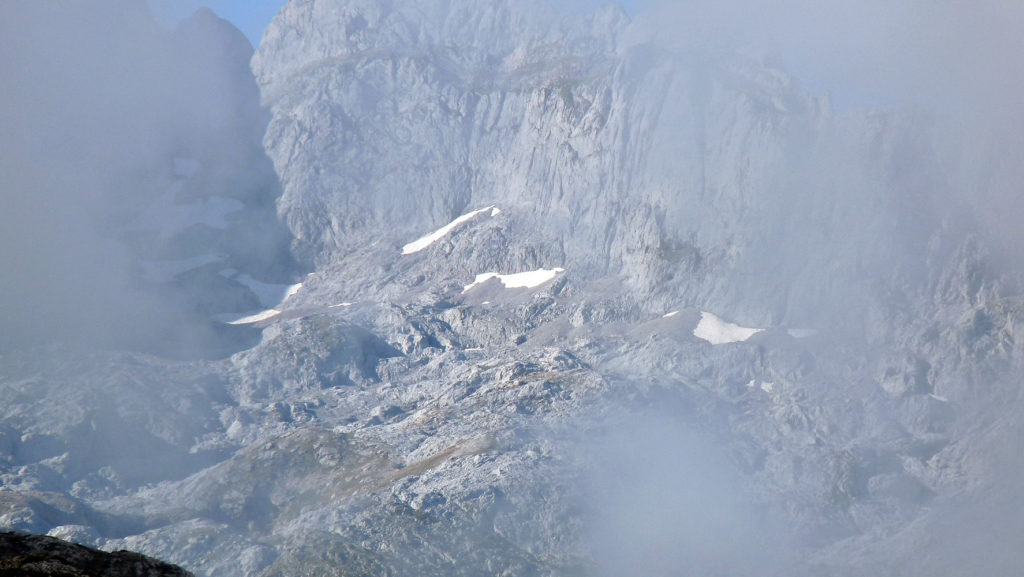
(36, 556)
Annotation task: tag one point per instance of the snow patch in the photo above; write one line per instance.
(270, 295)
(530, 279)
(422, 243)
(670, 315)
(340, 305)
(235, 430)
(266, 293)
(718, 332)
(261, 316)
(290, 292)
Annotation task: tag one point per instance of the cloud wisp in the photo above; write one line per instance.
(97, 104)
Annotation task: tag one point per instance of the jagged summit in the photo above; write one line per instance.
(205, 27)
(481, 40)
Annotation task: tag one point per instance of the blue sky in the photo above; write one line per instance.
(252, 16)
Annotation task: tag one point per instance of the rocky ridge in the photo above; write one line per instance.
(31, 556)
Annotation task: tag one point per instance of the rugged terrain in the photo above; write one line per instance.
(34, 556)
(673, 313)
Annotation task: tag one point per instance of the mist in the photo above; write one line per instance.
(956, 63)
(97, 103)
(955, 72)
(666, 497)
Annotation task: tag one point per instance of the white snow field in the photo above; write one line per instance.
(530, 279)
(718, 332)
(261, 316)
(264, 290)
(270, 295)
(765, 386)
(422, 243)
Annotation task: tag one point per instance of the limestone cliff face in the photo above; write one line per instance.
(702, 179)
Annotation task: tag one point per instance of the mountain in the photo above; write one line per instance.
(581, 302)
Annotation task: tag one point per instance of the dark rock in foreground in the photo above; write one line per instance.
(28, 555)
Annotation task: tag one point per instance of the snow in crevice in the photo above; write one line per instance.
(292, 290)
(270, 295)
(255, 318)
(718, 332)
(267, 290)
(422, 243)
(530, 279)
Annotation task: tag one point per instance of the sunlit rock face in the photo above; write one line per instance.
(581, 302)
(698, 177)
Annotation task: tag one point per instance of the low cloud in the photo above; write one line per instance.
(662, 497)
(959, 63)
(97, 102)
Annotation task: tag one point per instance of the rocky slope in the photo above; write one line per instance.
(32, 556)
(675, 314)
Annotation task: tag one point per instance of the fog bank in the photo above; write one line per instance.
(97, 104)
